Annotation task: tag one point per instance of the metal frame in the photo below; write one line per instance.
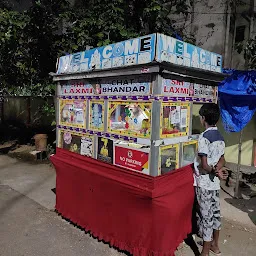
(157, 72)
(182, 147)
(94, 74)
(177, 146)
(57, 107)
(186, 73)
(155, 127)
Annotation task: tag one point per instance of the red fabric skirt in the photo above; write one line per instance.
(134, 212)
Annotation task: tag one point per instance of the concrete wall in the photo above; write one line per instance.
(26, 111)
(242, 19)
(213, 23)
(232, 139)
(208, 23)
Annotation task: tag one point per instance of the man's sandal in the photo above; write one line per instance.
(200, 243)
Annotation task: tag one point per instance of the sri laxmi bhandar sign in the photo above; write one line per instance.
(143, 50)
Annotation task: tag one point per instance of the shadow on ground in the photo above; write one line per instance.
(248, 206)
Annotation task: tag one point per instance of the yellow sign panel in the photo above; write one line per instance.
(189, 151)
(175, 119)
(72, 113)
(130, 118)
(96, 115)
(169, 158)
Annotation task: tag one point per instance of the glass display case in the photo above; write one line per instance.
(175, 119)
(72, 112)
(189, 150)
(96, 122)
(169, 158)
(129, 118)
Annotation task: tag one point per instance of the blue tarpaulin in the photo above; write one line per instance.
(237, 97)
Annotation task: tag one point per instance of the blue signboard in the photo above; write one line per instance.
(141, 51)
(131, 52)
(181, 53)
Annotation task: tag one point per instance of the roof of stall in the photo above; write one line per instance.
(155, 53)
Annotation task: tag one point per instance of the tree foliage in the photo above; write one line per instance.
(100, 22)
(250, 53)
(27, 54)
(32, 40)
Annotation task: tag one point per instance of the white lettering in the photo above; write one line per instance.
(132, 161)
(168, 43)
(83, 59)
(131, 47)
(186, 54)
(213, 59)
(118, 49)
(107, 52)
(202, 56)
(64, 63)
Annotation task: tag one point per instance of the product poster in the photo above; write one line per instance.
(87, 146)
(76, 142)
(105, 150)
(97, 115)
(129, 118)
(136, 160)
(169, 158)
(72, 112)
(189, 150)
(175, 119)
(70, 141)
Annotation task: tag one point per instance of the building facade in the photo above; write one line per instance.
(218, 26)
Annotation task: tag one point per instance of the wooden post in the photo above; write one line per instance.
(237, 187)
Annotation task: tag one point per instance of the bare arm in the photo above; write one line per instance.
(205, 165)
(220, 172)
(208, 168)
(221, 163)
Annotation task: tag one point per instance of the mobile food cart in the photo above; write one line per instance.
(125, 141)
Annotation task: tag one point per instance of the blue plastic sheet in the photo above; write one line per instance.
(237, 97)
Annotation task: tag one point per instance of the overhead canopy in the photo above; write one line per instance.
(237, 96)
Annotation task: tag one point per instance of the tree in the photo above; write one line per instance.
(32, 40)
(27, 54)
(249, 51)
(101, 22)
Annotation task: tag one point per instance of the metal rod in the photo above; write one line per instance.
(237, 187)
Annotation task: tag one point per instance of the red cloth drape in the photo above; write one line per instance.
(141, 214)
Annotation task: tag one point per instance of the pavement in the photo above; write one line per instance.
(30, 227)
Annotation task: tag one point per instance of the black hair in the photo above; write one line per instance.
(211, 113)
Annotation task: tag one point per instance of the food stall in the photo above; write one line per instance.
(125, 142)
